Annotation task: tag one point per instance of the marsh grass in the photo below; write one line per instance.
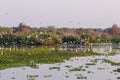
(76, 69)
(31, 57)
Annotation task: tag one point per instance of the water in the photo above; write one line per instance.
(63, 71)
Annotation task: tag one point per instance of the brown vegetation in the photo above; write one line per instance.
(23, 29)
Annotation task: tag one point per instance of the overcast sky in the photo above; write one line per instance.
(61, 13)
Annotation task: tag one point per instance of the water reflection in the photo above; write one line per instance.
(95, 47)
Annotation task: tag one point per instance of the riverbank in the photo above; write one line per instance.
(30, 57)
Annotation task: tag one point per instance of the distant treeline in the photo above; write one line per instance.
(52, 36)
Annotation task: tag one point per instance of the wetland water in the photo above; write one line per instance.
(77, 68)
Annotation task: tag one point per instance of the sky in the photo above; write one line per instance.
(61, 13)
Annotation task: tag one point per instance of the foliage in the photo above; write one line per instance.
(111, 62)
(34, 38)
(115, 40)
(70, 39)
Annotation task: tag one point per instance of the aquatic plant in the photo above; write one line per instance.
(47, 76)
(86, 66)
(31, 57)
(111, 62)
(118, 77)
(32, 77)
(94, 61)
(67, 76)
(50, 68)
(68, 66)
(80, 76)
(83, 69)
(76, 69)
(117, 70)
(88, 71)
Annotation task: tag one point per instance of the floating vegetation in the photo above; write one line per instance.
(83, 70)
(68, 66)
(80, 76)
(20, 57)
(50, 68)
(23, 68)
(118, 77)
(13, 78)
(86, 66)
(67, 76)
(94, 61)
(111, 62)
(88, 71)
(99, 68)
(47, 76)
(32, 77)
(76, 69)
(118, 70)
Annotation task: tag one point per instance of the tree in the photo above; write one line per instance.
(52, 29)
(70, 39)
